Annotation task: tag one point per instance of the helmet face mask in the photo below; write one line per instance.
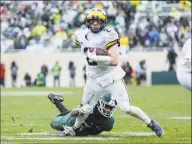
(96, 14)
(95, 25)
(106, 107)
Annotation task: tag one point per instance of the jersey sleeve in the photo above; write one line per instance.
(111, 39)
(76, 36)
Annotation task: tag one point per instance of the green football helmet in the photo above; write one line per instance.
(106, 105)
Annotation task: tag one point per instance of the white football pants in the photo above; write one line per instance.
(93, 91)
(184, 78)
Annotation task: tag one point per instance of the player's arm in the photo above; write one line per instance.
(75, 37)
(112, 48)
(114, 55)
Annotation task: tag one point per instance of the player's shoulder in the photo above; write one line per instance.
(110, 33)
(82, 29)
(80, 32)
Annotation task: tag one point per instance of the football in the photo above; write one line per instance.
(99, 51)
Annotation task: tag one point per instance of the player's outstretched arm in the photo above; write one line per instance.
(113, 52)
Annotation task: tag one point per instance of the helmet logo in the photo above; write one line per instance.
(96, 14)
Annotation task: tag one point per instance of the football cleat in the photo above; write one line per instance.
(154, 126)
(53, 98)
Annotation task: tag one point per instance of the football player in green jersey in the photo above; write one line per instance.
(100, 120)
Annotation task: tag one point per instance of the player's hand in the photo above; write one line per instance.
(68, 131)
(75, 112)
(86, 109)
(92, 55)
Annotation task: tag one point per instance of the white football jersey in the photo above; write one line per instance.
(103, 40)
(185, 58)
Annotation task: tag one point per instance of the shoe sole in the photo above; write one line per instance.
(51, 99)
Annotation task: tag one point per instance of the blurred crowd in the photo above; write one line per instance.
(134, 75)
(40, 80)
(36, 25)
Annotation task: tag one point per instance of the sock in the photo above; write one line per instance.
(138, 113)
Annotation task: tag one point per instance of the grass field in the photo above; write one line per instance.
(26, 108)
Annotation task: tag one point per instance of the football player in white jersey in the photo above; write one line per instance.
(103, 72)
(184, 65)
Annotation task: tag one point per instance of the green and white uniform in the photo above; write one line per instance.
(93, 125)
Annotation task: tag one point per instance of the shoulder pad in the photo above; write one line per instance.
(113, 35)
(111, 38)
(77, 35)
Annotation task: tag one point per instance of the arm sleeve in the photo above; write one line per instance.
(112, 39)
(76, 37)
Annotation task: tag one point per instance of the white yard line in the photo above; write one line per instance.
(40, 136)
(174, 118)
(181, 118)
(34, 93)
(184, 138)
(40, 133)
(59, 138)
(112, 136)
(129, 133)
(104, 134)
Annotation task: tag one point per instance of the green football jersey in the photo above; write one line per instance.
(93, 125)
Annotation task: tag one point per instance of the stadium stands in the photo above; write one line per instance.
(50, 24)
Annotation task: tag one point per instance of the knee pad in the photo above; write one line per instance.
(126, 109)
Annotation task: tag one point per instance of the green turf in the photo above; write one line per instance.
(20, 113)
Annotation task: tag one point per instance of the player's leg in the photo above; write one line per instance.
(184, 78)
(119, 91)
(60, 121)
(58, 81)
(91, 95)
(57, 99)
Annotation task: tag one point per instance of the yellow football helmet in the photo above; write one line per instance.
(96, 14)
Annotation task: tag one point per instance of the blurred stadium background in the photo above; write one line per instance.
(38, 33)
